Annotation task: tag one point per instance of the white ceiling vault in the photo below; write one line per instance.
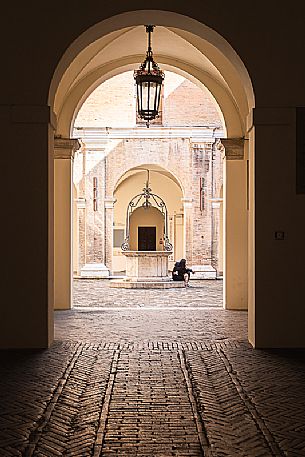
(132, 41)
(143, 170)
(174, 49)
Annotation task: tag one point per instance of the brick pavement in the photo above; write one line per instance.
(151, 381)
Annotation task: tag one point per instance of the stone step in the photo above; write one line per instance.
(122, 283)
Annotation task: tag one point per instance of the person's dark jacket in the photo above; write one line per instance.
(180, 270)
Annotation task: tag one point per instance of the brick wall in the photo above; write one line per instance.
(188, 162)
(190, 105)
(171, 154)
(186, 105)
(113, 104)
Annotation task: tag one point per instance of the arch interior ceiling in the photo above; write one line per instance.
(126, 48)
(143, 169)
(165, 43)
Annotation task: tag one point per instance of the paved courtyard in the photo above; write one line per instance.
(151, 373)
(98, 293)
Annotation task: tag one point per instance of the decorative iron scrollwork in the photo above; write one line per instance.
(147, 199)
(167, 244)
(125, 244)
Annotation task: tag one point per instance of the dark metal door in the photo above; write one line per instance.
(146, 238)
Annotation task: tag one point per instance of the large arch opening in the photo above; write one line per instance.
(185, 171)
(192, 49)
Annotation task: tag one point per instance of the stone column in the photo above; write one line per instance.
(79, 235)
(188, 229)
(109, 205)
(64, 150)
(235, 231)
(82, 211)
(217, 239)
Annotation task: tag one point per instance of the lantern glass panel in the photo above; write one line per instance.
(145, 99)
(157, 96)
(152, 91)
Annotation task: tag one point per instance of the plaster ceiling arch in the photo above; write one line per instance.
(132, 42)
(152, 168)
(226, 106)
(157, 211)
(188, 41)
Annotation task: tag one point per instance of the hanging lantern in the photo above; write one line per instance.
(149, 80)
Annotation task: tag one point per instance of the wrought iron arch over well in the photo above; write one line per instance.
(146, 200)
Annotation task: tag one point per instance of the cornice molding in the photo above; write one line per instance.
(232, 148)
(65, 148)
(109, 202)
(195, 134)
(80, 203)
(187, 202)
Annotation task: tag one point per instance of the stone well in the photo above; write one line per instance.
(146, 270)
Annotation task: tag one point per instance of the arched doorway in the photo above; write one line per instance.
(213, 62)
(146, 229)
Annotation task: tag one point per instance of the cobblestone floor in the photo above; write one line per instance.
(151, 381)
(98, 293)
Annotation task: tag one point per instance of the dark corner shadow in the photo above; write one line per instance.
(15, 357)
(294, 355)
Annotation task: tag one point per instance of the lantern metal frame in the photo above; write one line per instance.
(149, 77)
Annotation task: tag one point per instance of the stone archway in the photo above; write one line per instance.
(221, 71)
(167, 185)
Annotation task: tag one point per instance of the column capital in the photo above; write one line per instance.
(81, 203)
(216, 202)
(232, 148)
(65, 148)
(216, 205)
(187, 202)
(109, 202)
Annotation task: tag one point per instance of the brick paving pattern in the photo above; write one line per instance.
(152, 381)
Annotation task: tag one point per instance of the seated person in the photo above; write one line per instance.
(181, 273)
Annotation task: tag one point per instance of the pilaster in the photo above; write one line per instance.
(188, 228)
(278, 312)
(27, 166)
(217, 235)
(64, 150)
(109, 207)
(235, 228)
